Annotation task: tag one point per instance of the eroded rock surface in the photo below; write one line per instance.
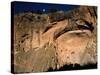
(42, 41)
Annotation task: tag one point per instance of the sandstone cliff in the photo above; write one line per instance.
(52, 40)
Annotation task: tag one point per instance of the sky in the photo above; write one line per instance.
(20, 7)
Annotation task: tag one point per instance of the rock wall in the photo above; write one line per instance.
(43, 41)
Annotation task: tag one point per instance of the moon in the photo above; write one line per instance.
(43, 10)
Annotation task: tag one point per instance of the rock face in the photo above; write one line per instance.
(43, 41)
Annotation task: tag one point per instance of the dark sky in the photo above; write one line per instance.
(32, 6)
